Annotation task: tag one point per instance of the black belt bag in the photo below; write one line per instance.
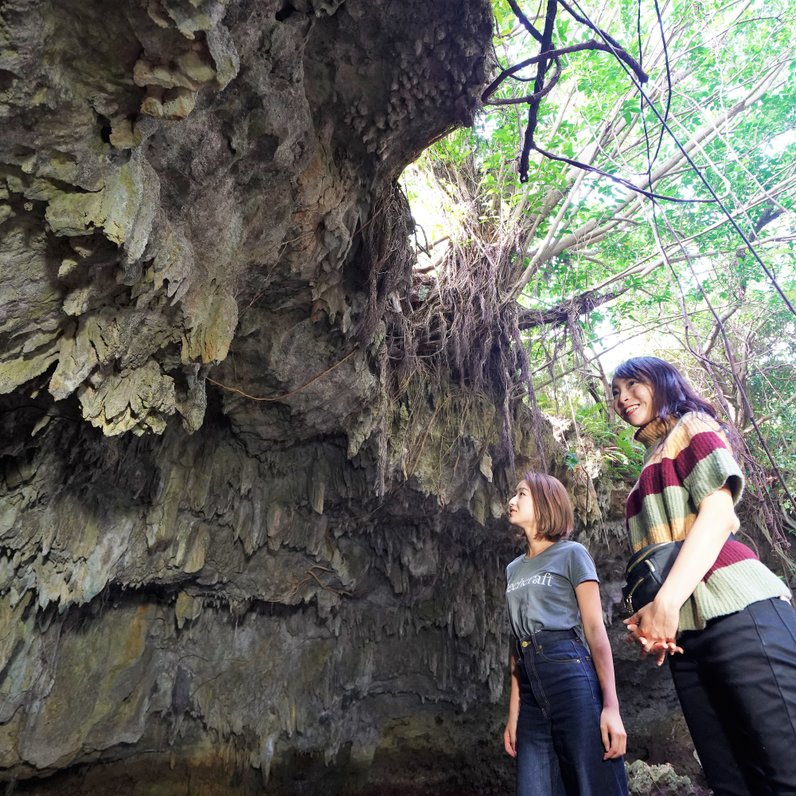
(645, 573)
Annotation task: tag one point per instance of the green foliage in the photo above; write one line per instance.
(620, 454)
(680, 280)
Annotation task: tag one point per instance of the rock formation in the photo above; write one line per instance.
(231, 553)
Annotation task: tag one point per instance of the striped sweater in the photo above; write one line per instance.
(688, 459)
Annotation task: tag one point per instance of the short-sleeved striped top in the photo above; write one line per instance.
(687, 459)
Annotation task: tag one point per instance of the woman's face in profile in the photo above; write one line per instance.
(521, 506)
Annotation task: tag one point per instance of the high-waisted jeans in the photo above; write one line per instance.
(559, 746)
(737, 687)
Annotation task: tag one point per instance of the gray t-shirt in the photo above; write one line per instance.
(540, 591)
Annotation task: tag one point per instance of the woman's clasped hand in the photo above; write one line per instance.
(654, 629)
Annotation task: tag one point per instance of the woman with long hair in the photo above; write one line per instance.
(564, 727)
(723, 618)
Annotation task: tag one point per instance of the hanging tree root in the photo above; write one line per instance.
(453, 326)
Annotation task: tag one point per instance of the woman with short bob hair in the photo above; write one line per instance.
(554, 516)
(721, 616)
(564, 727)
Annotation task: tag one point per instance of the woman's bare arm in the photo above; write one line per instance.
(510, 733)
(611, 727)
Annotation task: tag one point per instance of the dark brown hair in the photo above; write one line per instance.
(672, 395)
(551, 506)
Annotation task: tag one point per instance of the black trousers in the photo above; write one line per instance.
(737, 687)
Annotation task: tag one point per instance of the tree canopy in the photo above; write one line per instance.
(661, 135)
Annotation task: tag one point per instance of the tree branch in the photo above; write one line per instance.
(561, 313)
(486, 95)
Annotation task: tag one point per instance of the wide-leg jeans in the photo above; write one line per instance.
(737, 686)
(559, 746)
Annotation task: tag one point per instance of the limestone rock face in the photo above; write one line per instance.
(222, 549)
(169, 165)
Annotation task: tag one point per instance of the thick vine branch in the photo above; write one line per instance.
(547, 55)
(538, 89)
(486, 96)
(524, 21)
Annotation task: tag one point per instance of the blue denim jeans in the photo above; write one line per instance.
(737, 686)
(559, 747)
